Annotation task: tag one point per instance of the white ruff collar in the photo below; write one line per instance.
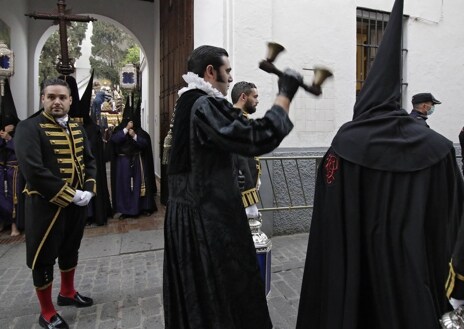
(195, 82)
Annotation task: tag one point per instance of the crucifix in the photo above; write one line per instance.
(65, 64)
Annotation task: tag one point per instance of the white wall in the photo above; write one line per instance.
(313, 32)
(436, 62)
(324, 32)
(12, 13)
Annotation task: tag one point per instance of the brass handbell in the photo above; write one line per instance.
(267, 65)
(320, 75)
(273, 50)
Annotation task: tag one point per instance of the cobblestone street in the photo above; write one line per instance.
(121, 267)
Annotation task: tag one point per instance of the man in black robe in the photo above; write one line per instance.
(244, 96)
(211, 276)
(387, 206)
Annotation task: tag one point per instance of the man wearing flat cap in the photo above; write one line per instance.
(423, 106)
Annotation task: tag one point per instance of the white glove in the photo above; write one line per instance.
(77, 196)
(258, 184)
(456, 302)
(82, 198)
(252, 211)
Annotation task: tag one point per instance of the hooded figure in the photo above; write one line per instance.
(387, 206)
(12, 181)
(148, 205)
(99, 208)
(132, 170)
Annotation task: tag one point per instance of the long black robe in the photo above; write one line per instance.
(99, 208)
(211, 275)
(379, 246)
(147, 202)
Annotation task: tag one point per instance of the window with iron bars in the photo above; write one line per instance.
(370, 27)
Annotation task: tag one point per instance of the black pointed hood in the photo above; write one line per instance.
(86, 100)
(127, 115)
(128, 110)
(8, 115)
(381, 90)
(136, 115)
(74, 109)
(382, 136)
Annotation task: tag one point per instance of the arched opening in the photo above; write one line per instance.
(83, 67)
(4, 33)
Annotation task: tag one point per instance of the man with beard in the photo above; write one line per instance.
(244, 96)
(211, 276)
(59, 168)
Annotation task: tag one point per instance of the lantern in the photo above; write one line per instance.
(128, 77)
(6, 65)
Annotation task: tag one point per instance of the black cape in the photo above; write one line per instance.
(387, 208)
(99, 208)
(211, 276)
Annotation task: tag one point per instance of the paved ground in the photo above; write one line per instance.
(121, 268)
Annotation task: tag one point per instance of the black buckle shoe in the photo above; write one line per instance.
(78, 300)
(55, 322)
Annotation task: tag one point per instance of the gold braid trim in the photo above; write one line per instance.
(68, 270)
(167, 143)
(250, 197)
(64, 196)
(143, 188)
(15, 191)
(47, 232)
(44, 287)
(94, 189)
(451, 281)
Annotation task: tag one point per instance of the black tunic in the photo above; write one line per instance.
(54, 165)
(211, 275)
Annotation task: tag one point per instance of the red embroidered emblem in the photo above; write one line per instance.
(331, 167)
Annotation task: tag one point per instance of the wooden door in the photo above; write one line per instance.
(176, 44)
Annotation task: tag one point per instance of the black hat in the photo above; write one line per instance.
(424, 97)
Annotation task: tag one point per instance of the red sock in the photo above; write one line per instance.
(46, 305)
(67, 283)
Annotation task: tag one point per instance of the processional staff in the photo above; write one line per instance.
(65, 65)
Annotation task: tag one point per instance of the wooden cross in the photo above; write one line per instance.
(65, 65)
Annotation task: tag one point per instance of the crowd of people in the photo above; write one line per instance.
(134, 145)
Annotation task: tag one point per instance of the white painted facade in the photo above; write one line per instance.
(313, 33)
(324, 32)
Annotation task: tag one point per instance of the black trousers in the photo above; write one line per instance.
(52, 233)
